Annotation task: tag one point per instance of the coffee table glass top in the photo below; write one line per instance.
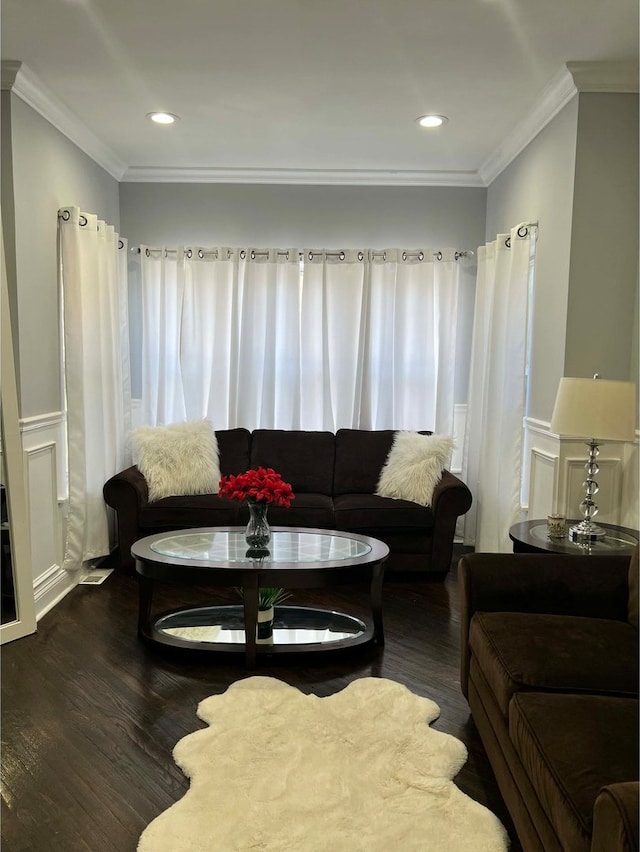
(291, 546)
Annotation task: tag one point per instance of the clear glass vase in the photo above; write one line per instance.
(258, 533)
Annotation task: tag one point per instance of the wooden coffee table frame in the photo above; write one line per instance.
(153, 567)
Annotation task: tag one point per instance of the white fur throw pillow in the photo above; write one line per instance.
(181, 458)
(414, 466)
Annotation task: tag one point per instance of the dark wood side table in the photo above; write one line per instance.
(532, 537)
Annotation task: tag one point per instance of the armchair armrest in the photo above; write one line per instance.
(451, 498)
(127, 492)
(593, 586)
(615, 818)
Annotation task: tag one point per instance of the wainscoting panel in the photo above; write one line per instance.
(43, 443)
(554, 473)
(609, 497)
(543, 483)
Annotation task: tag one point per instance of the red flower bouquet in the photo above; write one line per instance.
(260, 485)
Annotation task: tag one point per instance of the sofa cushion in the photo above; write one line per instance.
(307, 510)
(570, 747)
(555, 653)
(199, 510)
(360, 456)
(304, 459)
(360, 512)
(234, 446)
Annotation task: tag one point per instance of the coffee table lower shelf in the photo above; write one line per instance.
(295, 629)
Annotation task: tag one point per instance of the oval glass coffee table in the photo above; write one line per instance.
(296, 559)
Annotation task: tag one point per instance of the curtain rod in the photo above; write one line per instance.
(341, 255)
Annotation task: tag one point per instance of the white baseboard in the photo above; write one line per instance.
(51, 586)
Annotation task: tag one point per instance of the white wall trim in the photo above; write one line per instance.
(48, 448)
(41, 421)
(539, 427)
(554, 472)
(555, 97)
(29, 88)
(621, 77)
(541, 459)
(307, 177)
(51, 586)
(573, 78)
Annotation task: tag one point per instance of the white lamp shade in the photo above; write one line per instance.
(595, 408)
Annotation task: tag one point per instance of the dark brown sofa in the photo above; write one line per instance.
(333, 476)
(550, 669)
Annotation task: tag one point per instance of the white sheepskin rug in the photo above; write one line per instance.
(281, 771)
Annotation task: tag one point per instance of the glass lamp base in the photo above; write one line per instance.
(586, 533)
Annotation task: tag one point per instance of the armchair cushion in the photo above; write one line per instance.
(555, 653)
(571, 746)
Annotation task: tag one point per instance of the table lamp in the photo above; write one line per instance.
(604, 410)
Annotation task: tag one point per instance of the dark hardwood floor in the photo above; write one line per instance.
(90, 715)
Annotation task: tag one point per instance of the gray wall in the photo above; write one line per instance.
(538, 187)
(579, 179)
(603, 279)
(302, 216)
(49, 172)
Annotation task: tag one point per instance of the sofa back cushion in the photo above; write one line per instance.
(304, 459)
(360, 456)
(634, 582)
(234, 446)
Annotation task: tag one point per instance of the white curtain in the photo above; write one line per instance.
(92, 274)
(162, 284)
(278, 338)
(492, 462)
(379, 339)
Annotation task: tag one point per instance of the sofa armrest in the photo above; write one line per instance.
(127, 492)
(615, 818)
(594, 586)
(451, 498)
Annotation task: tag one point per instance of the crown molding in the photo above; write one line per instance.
(573, 78)
(20, 80)
(557, 94)
(619, 77)
(326, 177)
(10, 70)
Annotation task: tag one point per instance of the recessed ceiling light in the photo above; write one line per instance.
(431, 120)
(162, 117)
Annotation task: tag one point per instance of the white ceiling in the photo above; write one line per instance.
(306, 90)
